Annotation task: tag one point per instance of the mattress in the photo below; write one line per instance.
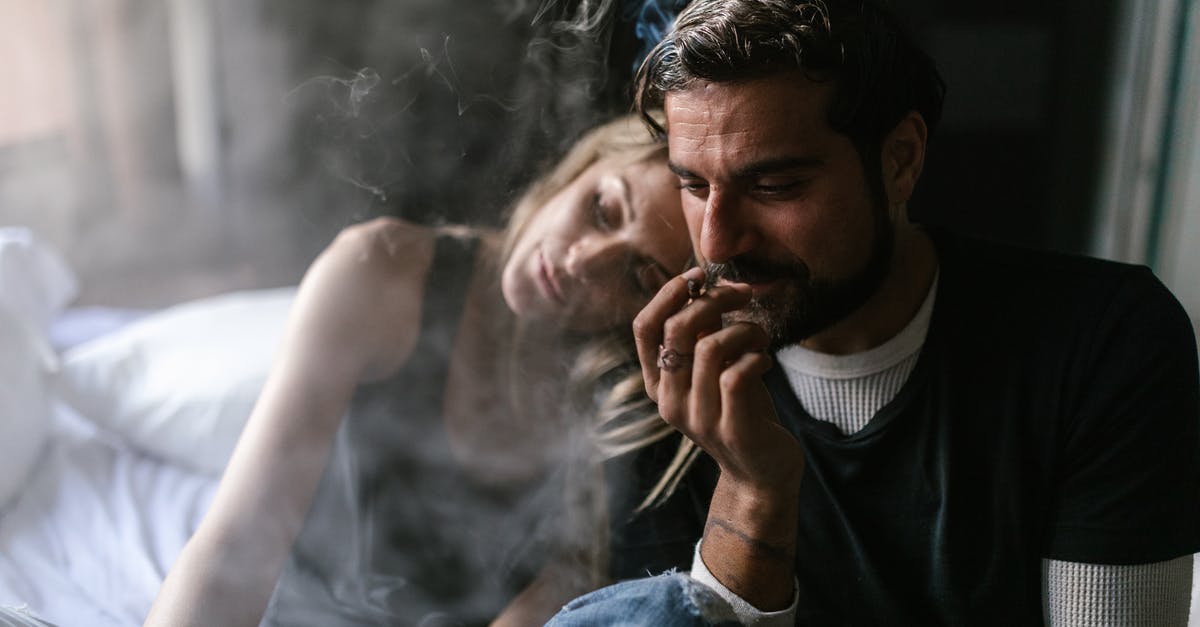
(92, 537)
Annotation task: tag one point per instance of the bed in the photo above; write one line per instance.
(114, 427)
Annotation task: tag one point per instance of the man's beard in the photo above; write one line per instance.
(803, 306)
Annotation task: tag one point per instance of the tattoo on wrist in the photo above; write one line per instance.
(760, 548)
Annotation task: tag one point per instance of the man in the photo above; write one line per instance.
(951, 431)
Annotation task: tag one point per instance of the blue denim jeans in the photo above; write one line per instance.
(670, 600)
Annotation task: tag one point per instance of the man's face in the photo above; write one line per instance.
(770, 190)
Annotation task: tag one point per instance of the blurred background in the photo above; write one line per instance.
(180, 148)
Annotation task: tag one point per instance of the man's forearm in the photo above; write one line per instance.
(750, 543)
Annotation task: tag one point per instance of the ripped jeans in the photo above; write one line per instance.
(669, 600)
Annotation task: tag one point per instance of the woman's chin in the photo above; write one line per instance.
(528, 309)
(516, 301)
(531, 307)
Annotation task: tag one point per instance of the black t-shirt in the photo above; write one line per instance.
(1053, 413)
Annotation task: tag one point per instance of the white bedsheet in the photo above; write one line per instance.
(91, 538)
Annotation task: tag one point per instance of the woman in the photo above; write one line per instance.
(468, 324)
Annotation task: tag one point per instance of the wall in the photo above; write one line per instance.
(466, 101)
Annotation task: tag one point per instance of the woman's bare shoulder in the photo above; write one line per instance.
(389, 247)
(365, 289)
(383, 244)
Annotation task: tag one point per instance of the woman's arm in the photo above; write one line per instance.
(355, 318)
(556, 584)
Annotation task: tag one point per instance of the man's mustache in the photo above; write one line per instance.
(747, 269)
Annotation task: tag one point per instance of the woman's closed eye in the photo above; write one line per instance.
(606, 216)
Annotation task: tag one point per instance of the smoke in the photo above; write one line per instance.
(585, 18)
(305, 116)
(230, 140)
(651, 20)
(357, 116)
(343, 100)
(401, 127)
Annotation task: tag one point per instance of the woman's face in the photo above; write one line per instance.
(599, 249)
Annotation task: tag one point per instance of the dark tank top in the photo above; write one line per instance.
(397, 534)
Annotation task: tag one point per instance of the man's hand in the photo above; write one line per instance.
(707, 381)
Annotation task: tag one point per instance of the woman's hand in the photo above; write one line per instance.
(707, 381)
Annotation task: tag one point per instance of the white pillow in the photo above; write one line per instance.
(25, 361)
(35, 281)
(180, 383)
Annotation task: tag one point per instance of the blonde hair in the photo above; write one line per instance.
(607, 385)
(627, 137)
(625, 418)
(605, 381)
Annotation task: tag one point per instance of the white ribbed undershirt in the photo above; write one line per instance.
(847, 390)
(1149, 595)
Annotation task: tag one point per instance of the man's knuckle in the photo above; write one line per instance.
(672, 413)
(641, 326)
(757, 333)
(731, 380)
(702, 431)
(709, 347)
(652, 388)
(673, 328)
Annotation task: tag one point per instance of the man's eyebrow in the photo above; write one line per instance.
(759, 168)
(772, 166)
(680, 171)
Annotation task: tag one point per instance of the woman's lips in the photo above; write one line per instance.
(546, 281)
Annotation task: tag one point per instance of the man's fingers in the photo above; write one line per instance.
(715, 353)
(744, 399)
(677, 353)
(648, 325)
(683, 332)
(741, 384)
(742, 439)
(703, 315)
(718, 351)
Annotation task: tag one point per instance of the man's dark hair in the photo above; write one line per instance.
(879, 74)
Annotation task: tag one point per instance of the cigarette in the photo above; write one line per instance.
(711, 274)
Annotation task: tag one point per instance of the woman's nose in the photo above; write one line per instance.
(594, 256)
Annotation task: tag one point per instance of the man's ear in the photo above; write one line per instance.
(903, 156)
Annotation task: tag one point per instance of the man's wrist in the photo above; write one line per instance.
(749, 542)
(768, 514)
(746, 613)
(780, 551)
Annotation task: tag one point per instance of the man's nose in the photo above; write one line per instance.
(726, 230)
(594, 256)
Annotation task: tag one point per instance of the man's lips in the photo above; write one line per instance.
(758, 285)
(761, 288)
(762, 276)
(547, 282)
